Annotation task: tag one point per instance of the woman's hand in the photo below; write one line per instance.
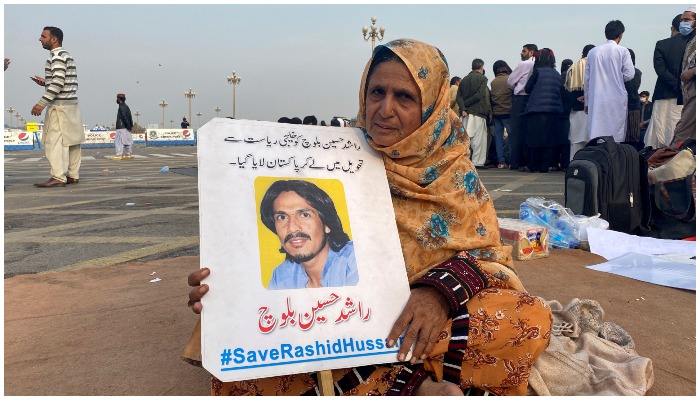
(425, 315)
(199, 291)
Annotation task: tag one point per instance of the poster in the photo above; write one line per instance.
(278, 202)
(18, 140)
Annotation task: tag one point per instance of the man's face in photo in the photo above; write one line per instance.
(299, 227)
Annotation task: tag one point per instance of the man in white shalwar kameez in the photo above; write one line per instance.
(608, 67)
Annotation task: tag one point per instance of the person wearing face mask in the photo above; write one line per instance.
(667, 61)
(647, 111)
(685, 129)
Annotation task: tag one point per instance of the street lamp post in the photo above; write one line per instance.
(23, 121)
(373, 32)
(162, 105)
(11, 110)
(199, 114)
(234, 80)
(17, 115)
(137, 113)
(171, 123)
(190, 95)
(217, 109)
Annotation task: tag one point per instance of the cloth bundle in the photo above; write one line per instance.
(587, 356)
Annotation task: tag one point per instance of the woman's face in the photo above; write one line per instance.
(393, 104)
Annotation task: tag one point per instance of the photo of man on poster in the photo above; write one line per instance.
(318, 251)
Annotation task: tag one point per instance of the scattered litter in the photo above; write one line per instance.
(153, 273)
(503, 190)
(147, 203)
(130, 204)
(165, 169)
(105, 172)
(642, 298)
(154, 280)
(637, 299)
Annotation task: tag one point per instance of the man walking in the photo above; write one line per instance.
(474, 101)
(608, 67)
(518, 120)
(63, 127)
(123, 139)
(667, 61)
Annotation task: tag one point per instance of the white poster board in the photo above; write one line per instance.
(251, 331)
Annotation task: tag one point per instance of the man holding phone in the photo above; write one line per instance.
(63, 127)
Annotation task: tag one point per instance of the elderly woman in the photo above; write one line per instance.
(474, 327)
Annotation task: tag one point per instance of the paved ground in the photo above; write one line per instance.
(94, 324)
(128, 211)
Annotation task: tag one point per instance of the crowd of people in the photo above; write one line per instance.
(312, 120)
(535, 117)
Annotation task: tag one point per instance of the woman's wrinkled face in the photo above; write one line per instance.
(393, 104)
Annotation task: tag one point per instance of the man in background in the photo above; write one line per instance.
(474, 99)
(685, 129)
(184, 124)
(608, 67)
(123, 139)
(63, 126)
(578, 134)
(667, 63)
(518, 121)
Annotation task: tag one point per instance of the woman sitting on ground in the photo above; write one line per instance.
(474, 326)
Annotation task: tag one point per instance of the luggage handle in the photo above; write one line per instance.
(606, 141)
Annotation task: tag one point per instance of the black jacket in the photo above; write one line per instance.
(544, 87)
(124, 117)
(668, 55)
(632, 88)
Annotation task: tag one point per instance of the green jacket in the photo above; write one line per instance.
(473, 95)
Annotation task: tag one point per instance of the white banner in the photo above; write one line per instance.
(319, 194)
(99, 137)
(166, 137)
(18, 140)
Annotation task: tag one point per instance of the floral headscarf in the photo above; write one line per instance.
(441, 206)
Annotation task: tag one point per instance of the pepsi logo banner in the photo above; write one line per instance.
(18, 140)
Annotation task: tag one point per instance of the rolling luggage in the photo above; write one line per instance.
(610, 179)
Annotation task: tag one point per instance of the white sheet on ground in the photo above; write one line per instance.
(677, 271)
(611, 244)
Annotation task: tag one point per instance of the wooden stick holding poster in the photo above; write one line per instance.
(298, 230)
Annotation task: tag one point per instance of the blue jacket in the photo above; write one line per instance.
(544, 87)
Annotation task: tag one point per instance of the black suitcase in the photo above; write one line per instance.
(610, 179)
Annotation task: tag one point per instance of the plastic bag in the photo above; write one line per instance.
(564, 231)
(585, 222)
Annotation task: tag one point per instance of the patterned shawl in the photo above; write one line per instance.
(441, 206)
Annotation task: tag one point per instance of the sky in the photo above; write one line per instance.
(293, 60)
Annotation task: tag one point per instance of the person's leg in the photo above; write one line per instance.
(52, 141)
(127, 151)
(478, 126)
(515, 134)
(75, 154)
(118, 145)
(498, 126)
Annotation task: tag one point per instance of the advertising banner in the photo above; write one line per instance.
(170, 137)
(298, 229)
(18, 140)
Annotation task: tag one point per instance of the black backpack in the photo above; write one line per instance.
(610, 179)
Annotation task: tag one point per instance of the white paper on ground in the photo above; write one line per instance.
(654, 270)
(611, 244)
